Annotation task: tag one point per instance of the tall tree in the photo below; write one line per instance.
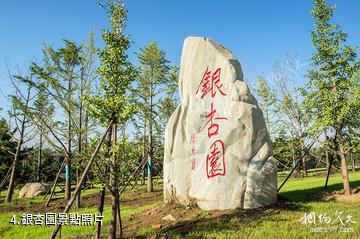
(111, 105)
(267, 100)
(58, 72)
(153, 77)
(21, 101)
(7, 149)
(44, 109)
(333, 85)
(83, 84)
(290, 106)
(171, 100)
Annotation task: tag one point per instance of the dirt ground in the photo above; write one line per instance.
(135, 197)
(185, 219)
(180, 219)
(338, 196)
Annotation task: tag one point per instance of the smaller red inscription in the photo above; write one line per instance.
(215, 160)
(193, 159)
(193, 163)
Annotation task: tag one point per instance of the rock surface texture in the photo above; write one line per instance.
(32, 190)
(217, 148)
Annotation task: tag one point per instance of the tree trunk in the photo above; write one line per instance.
(39, 163)
(150, 146)
(143, 176)
(119, 213)
(113, 185)
(68, 157)
(112, 234)
(144, 153)
(80, 144)
(302, 152)
(293, 155)
(10, 190)
(344, 164)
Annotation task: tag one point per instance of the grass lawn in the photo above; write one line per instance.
(142, 213)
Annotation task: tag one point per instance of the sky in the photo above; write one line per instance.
(258, 33)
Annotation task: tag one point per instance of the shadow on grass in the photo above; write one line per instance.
(234, 220)
(307, 195)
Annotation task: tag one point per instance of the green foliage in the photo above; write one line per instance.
(116, 72)
(333, 89)
(56, 75)
(7, 147)
(267, 99)
(156, 87)
(155, 94)
(285, 149)
(168, 104)
(152, 81)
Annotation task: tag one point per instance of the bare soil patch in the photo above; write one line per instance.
(188, 218)
(332, 195)
(135, 197)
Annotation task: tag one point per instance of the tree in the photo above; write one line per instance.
(267, 100)
(293, 114)
(111, 104)
(285, 150)
(7, 149)
(20, 101)
(153, 77)
(45, 110)
(83, 83)
(333, 89)
(58, 72)
(171, 100)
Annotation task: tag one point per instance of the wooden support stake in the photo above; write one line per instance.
(54, 183)
(6, 177)
(78, 186)
(132, 175)
(329, 170)
(297, 165)
(100, 210)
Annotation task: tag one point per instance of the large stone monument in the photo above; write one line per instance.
(217, 148)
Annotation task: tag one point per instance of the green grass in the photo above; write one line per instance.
(299, 188)
(281, 223)
(40, 199)
(23, 232)
(274, 222)
(8, 230)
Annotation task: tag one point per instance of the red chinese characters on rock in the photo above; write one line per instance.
(215, 159)
(213, 129)
(210, 83)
